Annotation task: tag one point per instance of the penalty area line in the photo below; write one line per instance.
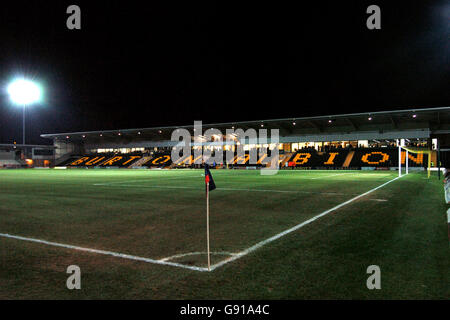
(103, 252)
(295, 228)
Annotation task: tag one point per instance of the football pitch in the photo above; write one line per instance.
(141, 234)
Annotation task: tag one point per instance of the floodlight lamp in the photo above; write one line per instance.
(24, 92)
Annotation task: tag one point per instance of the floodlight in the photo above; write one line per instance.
(24, 92)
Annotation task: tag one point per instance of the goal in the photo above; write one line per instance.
(412, 150)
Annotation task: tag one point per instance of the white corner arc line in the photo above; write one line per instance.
(181, 255)
(108, 253)
(298, 226)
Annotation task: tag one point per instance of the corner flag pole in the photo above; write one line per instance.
(207, 225)
(399, 159)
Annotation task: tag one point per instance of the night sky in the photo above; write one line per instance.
(170, 63)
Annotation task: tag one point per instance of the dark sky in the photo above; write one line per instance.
(167, 63)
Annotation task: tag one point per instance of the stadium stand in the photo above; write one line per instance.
(347, 141)
(68, 160)
(9, 159)
(140, 163)
(385, 157)
(159, 160)
(103, 160)
(304, 158)
(311, 158)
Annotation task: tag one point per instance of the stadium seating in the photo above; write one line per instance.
(117, 160)
(158, 160)
(385, 157)
(311, 158)
(306, 158)
(69, 160)
(101, 160)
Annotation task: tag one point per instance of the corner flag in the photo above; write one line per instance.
(210, 185)
(209, 179)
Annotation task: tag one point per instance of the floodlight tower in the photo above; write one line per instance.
(23, 92)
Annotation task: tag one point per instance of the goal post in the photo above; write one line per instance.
(414, 150)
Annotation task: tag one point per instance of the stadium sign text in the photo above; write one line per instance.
(214, 147)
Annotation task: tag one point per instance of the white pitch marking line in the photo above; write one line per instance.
(141, 180)
(280, 191)
(228, 189)
(329, 176)
(181, 255)
(109, 253)
(110, 183)
(298, 226)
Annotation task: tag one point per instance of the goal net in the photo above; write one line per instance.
(409, 152)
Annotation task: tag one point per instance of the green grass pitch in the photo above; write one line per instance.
(160, 215)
